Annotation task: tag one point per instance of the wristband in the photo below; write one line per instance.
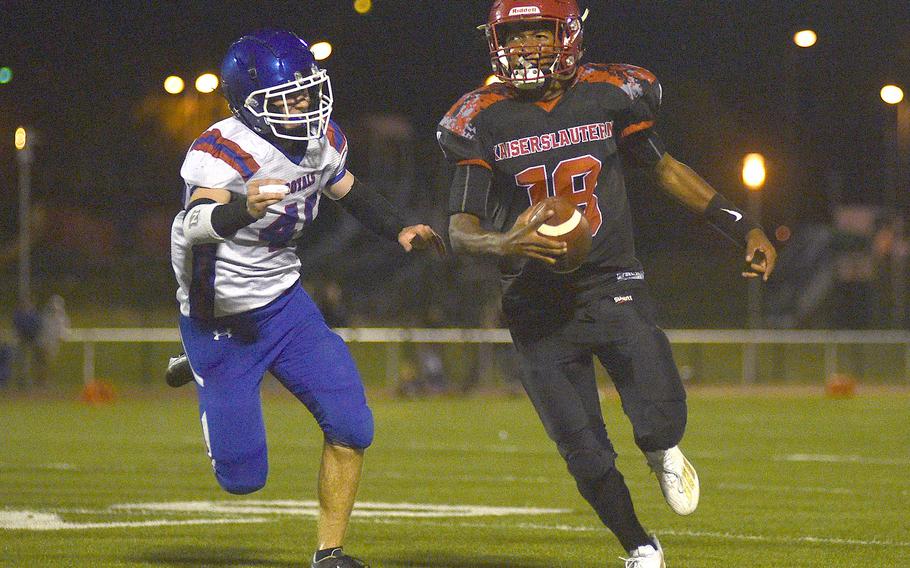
(229, 218)
(729, 219)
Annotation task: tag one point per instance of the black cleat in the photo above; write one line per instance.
(339, 559)
(178, 372)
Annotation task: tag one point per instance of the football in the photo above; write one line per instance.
(570, 226)
(274, 188)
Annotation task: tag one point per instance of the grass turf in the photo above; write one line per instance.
(788, 479)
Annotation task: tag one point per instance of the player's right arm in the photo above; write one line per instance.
(464, 143)
(214, 215)
(467, 236)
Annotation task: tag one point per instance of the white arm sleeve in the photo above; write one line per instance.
(197, 225)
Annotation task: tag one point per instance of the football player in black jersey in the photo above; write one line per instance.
(554, 127)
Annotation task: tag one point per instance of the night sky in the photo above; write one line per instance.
(733, 82)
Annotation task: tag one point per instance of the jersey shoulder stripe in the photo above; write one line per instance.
(214, 143)
(459, 117)
(336, 137)
(629, 78)
(637, 127)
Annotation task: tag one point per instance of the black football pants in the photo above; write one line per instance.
(559, 377)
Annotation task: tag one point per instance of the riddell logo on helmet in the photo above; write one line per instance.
(524, 11)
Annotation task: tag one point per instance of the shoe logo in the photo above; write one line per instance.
(736, 214)
(226, 333)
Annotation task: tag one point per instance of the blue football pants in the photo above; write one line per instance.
(290, 339)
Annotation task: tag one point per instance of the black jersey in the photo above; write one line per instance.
(568, 147)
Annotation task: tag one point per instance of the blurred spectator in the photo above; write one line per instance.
(850, 275)
(27, 325)
(427, 374)
(865, 241)
(803, 281)
(54, 325)
(6, 364)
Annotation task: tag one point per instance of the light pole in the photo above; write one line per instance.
(895, 197)
(893, 96)
(25, 157)
(754, 174)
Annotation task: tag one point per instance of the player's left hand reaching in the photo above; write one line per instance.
(760, 255)
(419, 237)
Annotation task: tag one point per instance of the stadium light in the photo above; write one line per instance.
(805, 38)
(174, 85)
(321, 50)
(6, 75)
(754, 171)
(207, 82)
(492, 79)
(363, 6)
(21, 138)
(892, 94)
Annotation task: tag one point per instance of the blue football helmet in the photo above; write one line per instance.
(271, 82)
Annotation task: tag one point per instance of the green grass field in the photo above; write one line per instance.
(788, 479)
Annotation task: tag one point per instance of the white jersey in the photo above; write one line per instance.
(258, 263)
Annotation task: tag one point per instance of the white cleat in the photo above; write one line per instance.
(646, 556)
(178, 371)
(677, 478)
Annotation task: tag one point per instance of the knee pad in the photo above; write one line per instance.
(352, 430)
(587, 457)
(243, 477)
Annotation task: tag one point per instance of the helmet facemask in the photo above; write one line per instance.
(528, 64)
(278, 106)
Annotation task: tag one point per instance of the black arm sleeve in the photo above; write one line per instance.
(470, 191)
(642, 149)
(373, 210)
(227, 218)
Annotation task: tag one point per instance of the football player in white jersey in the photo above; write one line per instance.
(253, 181)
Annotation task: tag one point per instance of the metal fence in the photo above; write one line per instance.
(748, 340)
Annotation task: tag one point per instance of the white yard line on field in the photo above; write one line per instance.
(36, 521)
(660, 532)
(51, 520)
(39, 467)
(413, 514)
(311, 509)
(827, 458)
(785, 489)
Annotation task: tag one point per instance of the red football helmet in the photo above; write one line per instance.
(529, 66)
